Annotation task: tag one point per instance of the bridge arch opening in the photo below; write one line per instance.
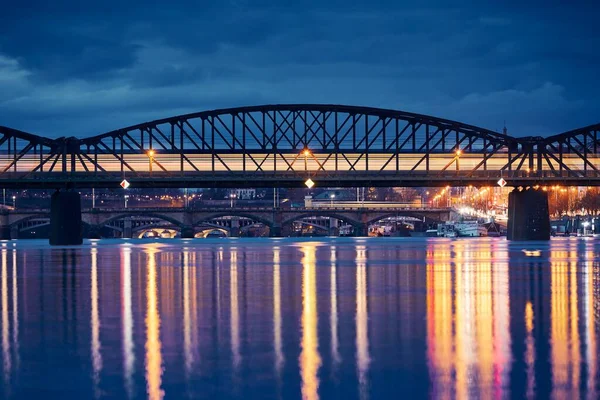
(37, 226)
(139, 225)
(236, 225)
(157, 233)
(321, 224)
(399, 224)
(212, 233)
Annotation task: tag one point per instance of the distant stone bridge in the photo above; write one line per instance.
(190, 221)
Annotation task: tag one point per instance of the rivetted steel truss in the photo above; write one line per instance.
(283, 145)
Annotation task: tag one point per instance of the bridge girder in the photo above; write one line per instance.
(263, 146)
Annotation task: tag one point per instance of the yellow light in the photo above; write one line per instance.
(458, 152)
(151, 153)
(306, 152)
(309, 183)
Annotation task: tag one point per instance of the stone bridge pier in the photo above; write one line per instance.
(65, 218)
(187, 226)
(528, 215)
(5, 229)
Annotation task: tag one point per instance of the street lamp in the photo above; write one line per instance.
(126, 199)
(14, 201)
(232, 196)
(306, 153)
(332, 196)
(150, 154)
(457, 157)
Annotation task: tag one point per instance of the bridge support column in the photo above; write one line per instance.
(235, 227)
(528, 215)
(4, 226)
(361, 230)
(127, 228)
(14, 232)
(187, 232)
(333, 227)
(94, 232)
(65, 219)
(275, 231)
(5, 232)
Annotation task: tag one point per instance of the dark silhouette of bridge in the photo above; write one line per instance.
(283, 145)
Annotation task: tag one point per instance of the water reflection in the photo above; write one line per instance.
(591, 330)
(15, 310)
(530, 350)
(310, 359)
(564, 319)
(187, 314)
(6, 352)
(127, 320)
(95, 324)
(468, 319)
(199, 319)
(154, 367)
(277, 311)
(333, 319)
(234, 312)
(362, 334)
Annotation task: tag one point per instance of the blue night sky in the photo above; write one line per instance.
(80, 70)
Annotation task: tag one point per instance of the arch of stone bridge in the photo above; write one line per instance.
(321, 213)
(19, 219)
(317, 226)
(205, 232)
(156, 232)
(204, 219)
(203, 227)
(163, 217)
(16, 223)
(245, 228)
(164, 225)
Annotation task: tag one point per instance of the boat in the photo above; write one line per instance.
(452, 229)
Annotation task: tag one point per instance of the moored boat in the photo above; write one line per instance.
(462, 229)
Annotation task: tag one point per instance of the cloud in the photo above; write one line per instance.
(87, 70)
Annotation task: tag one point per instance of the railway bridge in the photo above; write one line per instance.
(315, 144)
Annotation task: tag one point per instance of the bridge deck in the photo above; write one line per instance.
(295, 180)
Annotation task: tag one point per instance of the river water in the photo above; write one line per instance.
(291, 318)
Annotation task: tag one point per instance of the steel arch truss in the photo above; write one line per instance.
(282, 145)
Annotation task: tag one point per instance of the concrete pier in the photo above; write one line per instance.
(235, 230)
(65, 219)
(187, 232)
(127, 228)
(361, 230)
(275, 231)
(528, 215)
